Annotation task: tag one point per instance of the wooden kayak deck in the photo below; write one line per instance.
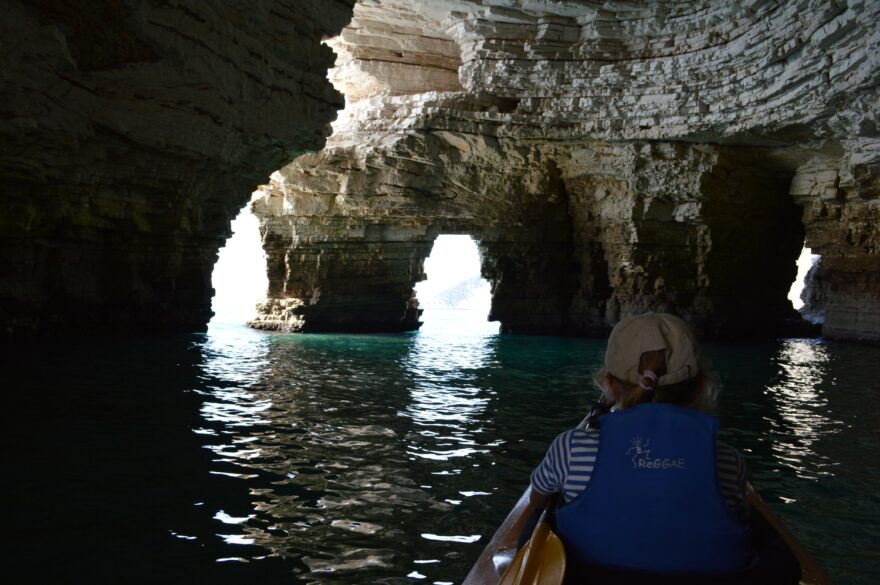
(492, 562)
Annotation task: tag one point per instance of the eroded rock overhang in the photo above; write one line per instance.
(610, 158)
(132, 132)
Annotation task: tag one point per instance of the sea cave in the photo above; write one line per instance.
(606, 158)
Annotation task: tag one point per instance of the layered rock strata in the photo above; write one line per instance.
(132, 132)
(841, 198)
(608, 158)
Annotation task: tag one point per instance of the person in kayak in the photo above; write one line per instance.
(647, 488)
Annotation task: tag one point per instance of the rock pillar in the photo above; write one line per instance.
(359, 279)
(529, 263)
(705, 232)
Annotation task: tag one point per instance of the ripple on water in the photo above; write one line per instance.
(391, 458)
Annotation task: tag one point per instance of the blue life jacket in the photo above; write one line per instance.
(654, 502)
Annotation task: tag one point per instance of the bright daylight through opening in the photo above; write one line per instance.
(455, 296)
(804, 263)
(239, 277)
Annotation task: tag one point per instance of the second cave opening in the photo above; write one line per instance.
(455, 296)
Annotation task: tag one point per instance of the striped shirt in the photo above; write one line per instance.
(569, 463)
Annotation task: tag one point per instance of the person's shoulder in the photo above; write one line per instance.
(576, 436)
(588, 435)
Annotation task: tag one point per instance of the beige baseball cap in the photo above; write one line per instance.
(634, 336)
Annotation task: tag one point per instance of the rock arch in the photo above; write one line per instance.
(603, 160)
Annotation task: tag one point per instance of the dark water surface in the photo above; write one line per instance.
(245, 457)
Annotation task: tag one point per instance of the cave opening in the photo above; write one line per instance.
(239, 278)
(455, 296)
(756, 234)
(804, 263)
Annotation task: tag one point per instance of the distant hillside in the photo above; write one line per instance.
(467, 294)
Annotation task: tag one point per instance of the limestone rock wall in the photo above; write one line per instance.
(706, 232)
(749, 69)
(574, 236)
(842, 214)
(132, 132)
(609, 158)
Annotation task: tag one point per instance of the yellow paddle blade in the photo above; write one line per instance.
(540, 562)
(512, 574)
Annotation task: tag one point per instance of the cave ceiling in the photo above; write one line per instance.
(608, 157)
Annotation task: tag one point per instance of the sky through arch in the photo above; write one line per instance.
(455, 296)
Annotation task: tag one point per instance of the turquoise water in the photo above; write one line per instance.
(241, 456)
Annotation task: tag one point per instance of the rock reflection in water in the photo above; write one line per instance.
(335, 437)
(383, 459)
(243, 457)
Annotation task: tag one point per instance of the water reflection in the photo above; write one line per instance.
(804, 412)
(246, 457)
(106, 468)
(447, 400)
(359, 453)
(326, 478)
(385, 459)
(803, 415)
(371, 454)
(235, 356)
